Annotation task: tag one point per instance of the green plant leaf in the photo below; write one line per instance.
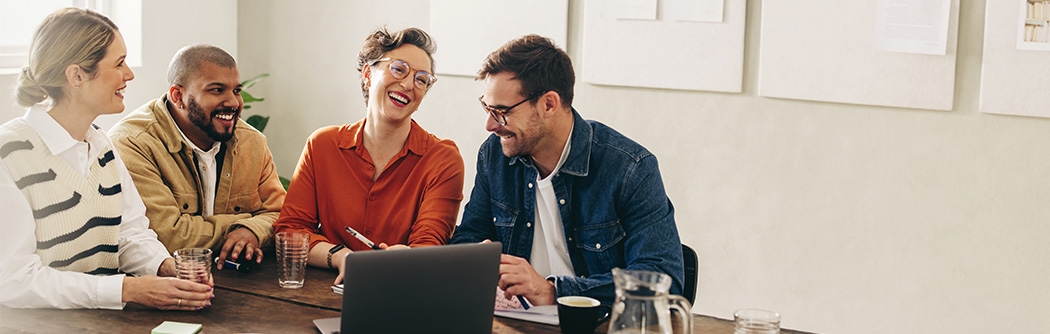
(251, 82)
(285, 182)
(258, 122)
(249, 98)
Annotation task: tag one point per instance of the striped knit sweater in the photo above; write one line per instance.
(77, 218)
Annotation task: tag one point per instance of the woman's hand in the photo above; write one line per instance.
(383, 246)
(339, 261)
(166, 293)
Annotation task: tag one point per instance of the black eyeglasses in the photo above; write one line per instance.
(500, 114)
(399, 69)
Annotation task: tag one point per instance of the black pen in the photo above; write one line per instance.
(367, 242)
(524, 302)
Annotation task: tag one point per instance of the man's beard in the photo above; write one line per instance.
(203, 121)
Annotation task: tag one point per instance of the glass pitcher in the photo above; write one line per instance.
(643, 304)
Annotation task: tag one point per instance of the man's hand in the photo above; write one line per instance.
(518, 278)
(241, 239)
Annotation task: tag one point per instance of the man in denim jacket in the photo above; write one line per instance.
(569, 199)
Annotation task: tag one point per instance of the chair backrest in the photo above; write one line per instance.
(691, 262)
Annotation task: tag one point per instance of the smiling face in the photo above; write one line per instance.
(391, 99)
(525, 132)
(103, 92)
(211, 103)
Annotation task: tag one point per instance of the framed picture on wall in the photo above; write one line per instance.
(1033, 25)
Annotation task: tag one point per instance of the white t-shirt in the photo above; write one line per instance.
(550, 253)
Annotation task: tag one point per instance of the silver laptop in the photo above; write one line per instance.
(442, 289)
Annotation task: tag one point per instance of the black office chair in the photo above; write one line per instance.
(689, 258)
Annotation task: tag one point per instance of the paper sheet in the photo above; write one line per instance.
(690, 55)
(912, 26)
(504, 303)
(630, 9)
(468, 30)
(697, 10)
(546, 314)
(512, 308)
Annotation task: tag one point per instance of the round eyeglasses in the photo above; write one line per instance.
(500, 113)
(400, 70)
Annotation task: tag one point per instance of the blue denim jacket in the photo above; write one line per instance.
(614, 209)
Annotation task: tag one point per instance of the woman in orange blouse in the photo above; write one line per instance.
(384, 176)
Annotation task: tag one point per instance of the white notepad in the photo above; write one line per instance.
(546, 314)
(175, 327)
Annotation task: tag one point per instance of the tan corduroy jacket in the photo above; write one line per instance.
(248, 191)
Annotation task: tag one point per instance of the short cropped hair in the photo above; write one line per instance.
(380, 41)
(186, 63)
(537, 63)
(69, 36)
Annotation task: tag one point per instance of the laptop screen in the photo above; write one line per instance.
(440, 289)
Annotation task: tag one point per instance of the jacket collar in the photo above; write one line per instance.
(170, 133)
(579, 160)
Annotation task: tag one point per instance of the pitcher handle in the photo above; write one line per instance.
(684, 308)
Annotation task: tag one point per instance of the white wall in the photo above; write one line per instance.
(166, 27)
(844, 218)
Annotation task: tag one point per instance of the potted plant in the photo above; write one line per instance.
(257, 121)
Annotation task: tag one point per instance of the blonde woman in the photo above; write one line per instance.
(73, 221)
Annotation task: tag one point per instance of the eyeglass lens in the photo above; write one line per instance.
(500, 115)
(399, 69)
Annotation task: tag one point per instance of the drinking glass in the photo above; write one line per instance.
(193, 264)
(755, 321)
(292, 249)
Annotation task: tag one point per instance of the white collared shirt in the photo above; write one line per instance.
(24, 280)
(206, 165)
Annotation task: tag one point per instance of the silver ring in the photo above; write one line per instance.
(180, 302)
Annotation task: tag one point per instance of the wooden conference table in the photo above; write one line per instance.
(249, 302)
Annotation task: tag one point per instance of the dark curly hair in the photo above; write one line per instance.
(380, 41)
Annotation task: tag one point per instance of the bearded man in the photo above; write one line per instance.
(207, 178)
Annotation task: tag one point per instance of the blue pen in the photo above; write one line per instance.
(234, 265)
(524, 302)
(367, 242)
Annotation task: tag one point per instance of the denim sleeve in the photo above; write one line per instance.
(651, 243)
(476, 224)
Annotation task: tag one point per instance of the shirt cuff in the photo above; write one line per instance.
(554, 280)
(110, 292)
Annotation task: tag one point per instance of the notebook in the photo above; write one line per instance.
(442, 289)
